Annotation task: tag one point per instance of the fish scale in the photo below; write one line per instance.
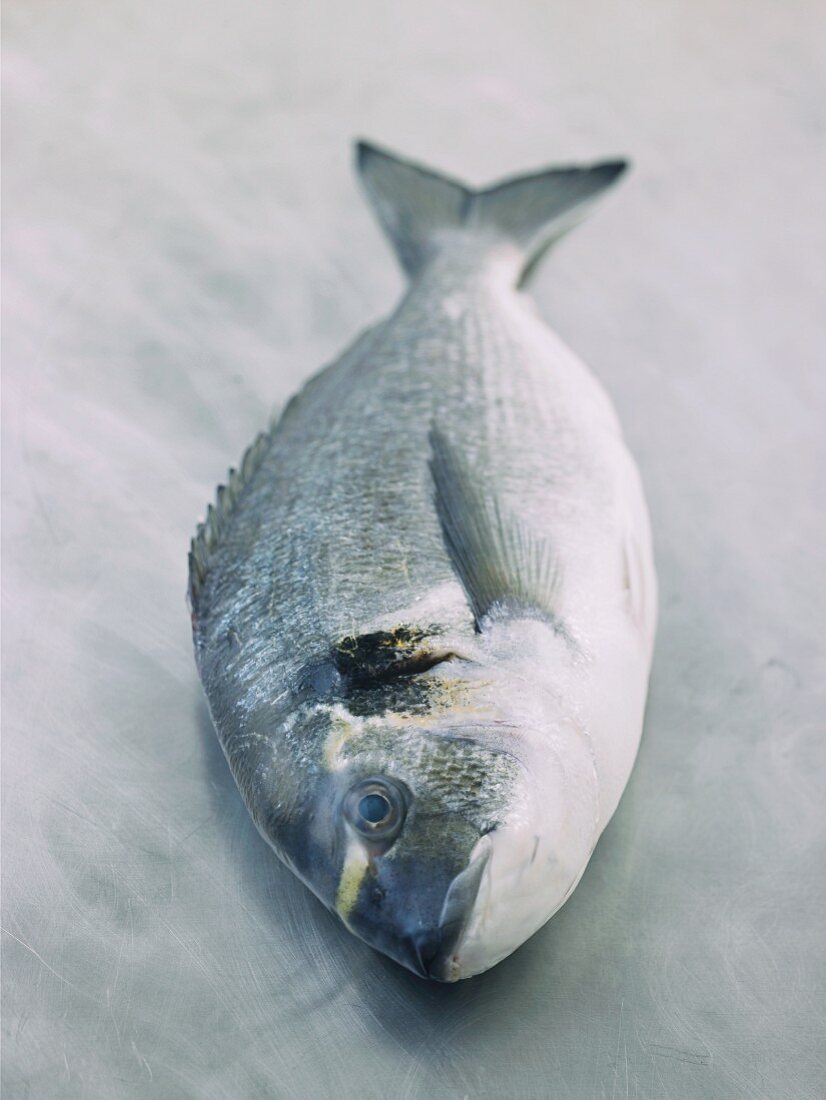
(428, 593)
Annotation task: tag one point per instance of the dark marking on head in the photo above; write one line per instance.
(401, 697)
(378, 672)
(384, 655)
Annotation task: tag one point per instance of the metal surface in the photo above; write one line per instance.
(185, 244)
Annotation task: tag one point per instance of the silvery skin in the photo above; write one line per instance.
(424, 606)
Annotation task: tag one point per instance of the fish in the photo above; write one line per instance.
(424, 604)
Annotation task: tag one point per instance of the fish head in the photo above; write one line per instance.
(412, 808)
(443, 845)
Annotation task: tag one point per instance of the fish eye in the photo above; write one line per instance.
(375, 808)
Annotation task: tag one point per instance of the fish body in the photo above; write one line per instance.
(424, 605)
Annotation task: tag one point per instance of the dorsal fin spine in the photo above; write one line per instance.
(208, 533)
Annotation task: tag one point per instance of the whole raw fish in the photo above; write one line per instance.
(424, 605)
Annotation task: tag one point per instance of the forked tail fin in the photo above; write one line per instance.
(416, 206)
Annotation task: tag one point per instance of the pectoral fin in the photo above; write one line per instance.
(504, 569)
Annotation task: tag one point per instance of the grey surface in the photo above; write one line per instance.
(184, 244)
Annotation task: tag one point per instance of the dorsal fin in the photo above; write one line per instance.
(208, 534)
(415, 205)
(504, 570)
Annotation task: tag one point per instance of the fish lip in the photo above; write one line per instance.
(444, 967)
(428, 956)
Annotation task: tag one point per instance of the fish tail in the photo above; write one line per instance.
(418, 208)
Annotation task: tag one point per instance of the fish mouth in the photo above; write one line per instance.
(436, 953)
(428, 955)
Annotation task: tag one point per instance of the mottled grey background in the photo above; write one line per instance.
(184, 244)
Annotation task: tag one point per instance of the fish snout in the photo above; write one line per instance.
(430, 948)
(415, 910)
